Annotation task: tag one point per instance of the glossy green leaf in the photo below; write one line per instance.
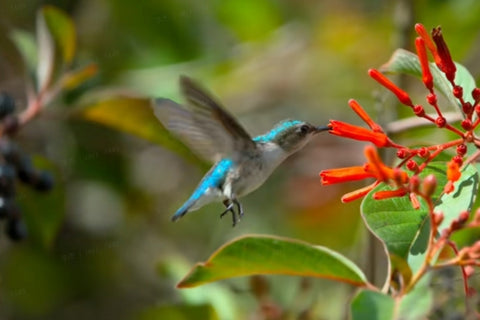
(394, 221)
(373, 305)
(179, 312)
(254, 254)
(403, 230)
(221, 298)
(450, 205)
(135, 116)
(62, 29)
(461, 199)
(406, 62)
(43, 211)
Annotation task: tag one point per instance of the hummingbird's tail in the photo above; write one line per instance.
(183, 209)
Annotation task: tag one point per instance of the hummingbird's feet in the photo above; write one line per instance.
(229, 204)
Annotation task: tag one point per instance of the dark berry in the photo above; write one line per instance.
(25, 170)
(10, 151)
(7, 180)
(16, 229)
(44, 181)
(7, 104)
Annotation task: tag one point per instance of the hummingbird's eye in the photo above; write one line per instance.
(304, 129)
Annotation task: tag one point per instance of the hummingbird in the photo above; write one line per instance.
(241, 163)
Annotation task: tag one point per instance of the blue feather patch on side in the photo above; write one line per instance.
(213, 179)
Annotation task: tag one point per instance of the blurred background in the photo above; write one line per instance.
(102, 246)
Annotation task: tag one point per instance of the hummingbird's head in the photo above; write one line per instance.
(290, 135)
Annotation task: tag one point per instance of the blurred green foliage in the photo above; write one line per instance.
(102, 244)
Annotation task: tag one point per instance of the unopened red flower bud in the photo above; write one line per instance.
(461, 150)
(449, 187)
(469, 271)
(429, 184)
(438, 218)
(463, 217)
(402, 153)
(458, 160)
(432, 98)
(455, 225)
(467, 107)
(419, 111)
(460, 221)
(476, 94)
(423, 152)
(412, 165)
(477, 109)
(440, 122)
(446, 63)
(414, 183)
(457, 92)
(467, 124)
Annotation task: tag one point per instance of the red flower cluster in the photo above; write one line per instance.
(414, 160)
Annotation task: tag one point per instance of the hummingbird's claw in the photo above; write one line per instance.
(229, 208)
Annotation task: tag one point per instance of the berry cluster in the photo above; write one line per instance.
(15, 164)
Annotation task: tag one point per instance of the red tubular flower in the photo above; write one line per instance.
(386, 194)
(422, 32)
(453, 171)
(414, 201)
(347, 130)
(402, 96)
(380, 170)
(339, 175)
(422, 56)
(446, 63)
(359, 193)
(364, 115)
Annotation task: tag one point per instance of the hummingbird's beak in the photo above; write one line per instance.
(321, 128)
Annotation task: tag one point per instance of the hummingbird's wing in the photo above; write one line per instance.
(205, 126)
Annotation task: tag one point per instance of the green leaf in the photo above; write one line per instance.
(181, 312)
(56, 40)
(46, 53)
(43, 211)
(73, 79)
(375, 305)
(25, 43)
(406, 62)
(254, 254)
(403, 230)
(418, 302)
(395, 222)
(461, 199)
(62, 30)
(372, 305)
(135, 116)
